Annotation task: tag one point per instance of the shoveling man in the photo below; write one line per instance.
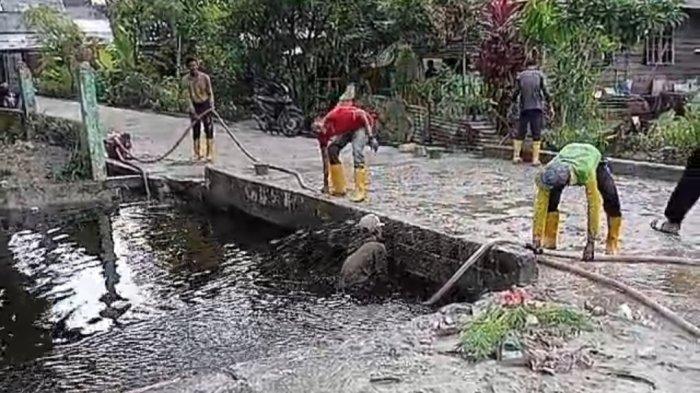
(346, 123)
(577, 164)
(367, 264)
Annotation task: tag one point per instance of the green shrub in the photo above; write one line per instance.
(55, 81)
(168, 96)
(671, 139)
(130, 89)
(596, 133)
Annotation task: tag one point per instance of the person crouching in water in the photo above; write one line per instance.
(346, 123)
(118, 146)
(367, 264)
(577, 164)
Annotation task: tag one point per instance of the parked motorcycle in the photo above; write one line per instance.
(274, 109)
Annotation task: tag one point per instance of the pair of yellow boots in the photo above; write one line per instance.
(518, 147)
(209, 150)
(339, 183)
(612, 243)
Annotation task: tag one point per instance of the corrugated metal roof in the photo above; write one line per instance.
(694, 4)
(97, 28)
(16, 35)
(19, 41)
(22, 5)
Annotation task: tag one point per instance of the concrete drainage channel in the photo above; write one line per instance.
(426, 254)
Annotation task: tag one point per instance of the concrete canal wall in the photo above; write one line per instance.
(420, 251)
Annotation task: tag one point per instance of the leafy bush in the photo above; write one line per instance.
(452, 95)
(671, 139)
(502, 54)
(596, 133)
(55, 81)
(168, 96)
(130, 89)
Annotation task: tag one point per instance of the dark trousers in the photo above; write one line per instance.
(606, 186)
(686, 192)
(205, 121)
(534, 118)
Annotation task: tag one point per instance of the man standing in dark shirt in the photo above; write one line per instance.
(531, 90)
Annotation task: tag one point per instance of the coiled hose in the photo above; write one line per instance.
(625, 289)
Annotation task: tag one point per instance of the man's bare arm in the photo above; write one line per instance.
(210, 90)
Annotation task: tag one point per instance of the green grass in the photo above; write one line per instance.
(481, 337)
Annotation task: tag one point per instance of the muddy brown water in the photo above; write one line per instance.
(111, 301)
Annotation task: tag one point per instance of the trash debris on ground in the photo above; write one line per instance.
(625, 312)
(558, 361)
(515, 297)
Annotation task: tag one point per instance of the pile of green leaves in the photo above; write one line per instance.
(480, 338)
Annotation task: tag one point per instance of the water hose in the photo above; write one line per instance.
(462, 269)
(569, 268)
(629, 259)
(235, 140)
(626, 290)
(179, 141)
(254, 159)
(132, 167)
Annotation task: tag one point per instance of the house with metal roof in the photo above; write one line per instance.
(673, 54)
(18, 42)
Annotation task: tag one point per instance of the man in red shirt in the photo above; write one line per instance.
(346, 123)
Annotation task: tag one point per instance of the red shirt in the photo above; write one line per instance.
(342, 120)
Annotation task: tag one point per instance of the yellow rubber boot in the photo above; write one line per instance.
(551, 231)
(612, 245)
(361, 185)
(517, 148)
(337, 180)
(536, 153)
(197, 150)
(210, 149)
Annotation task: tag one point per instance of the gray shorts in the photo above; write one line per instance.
(358, 140)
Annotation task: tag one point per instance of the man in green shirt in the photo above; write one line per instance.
(577, 164)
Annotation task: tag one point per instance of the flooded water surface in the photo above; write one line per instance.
(109, 302)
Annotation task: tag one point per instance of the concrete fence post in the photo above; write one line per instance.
(92, 133)
(26, 89)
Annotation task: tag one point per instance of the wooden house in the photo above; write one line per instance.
(673, 55)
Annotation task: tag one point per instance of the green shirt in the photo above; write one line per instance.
(583, 158)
